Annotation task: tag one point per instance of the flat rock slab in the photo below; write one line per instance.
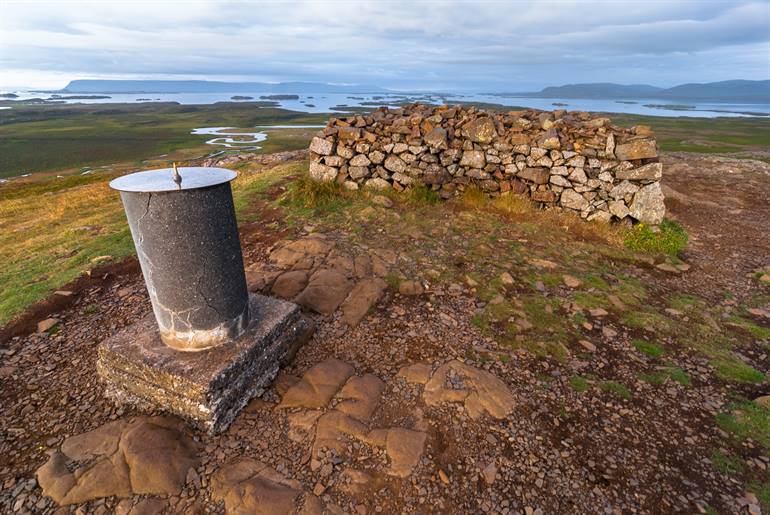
(480, 391)
(248, 486)
(142, 455)
(208, 388)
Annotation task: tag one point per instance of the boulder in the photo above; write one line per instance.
(619, 208)
(436, 138)
(395, 164)
(473, 159)
(573, 200)
(376, 157)
(481, 130)
(321, 146)
(322, 173)
(648, 206)
(360, 160)
(536, 175)
(377, 184)
(648, 172)
(641, 148)
(550, 140)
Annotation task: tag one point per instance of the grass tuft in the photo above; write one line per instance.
(671, 239)
(747, 420)
(579, 383)
(420, 194)
(616, 388)
(733, 369)
(307, 193)
(653, 350)
(727, 464)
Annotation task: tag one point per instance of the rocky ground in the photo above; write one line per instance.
(509, 363)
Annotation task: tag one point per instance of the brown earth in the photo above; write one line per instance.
(477, 423)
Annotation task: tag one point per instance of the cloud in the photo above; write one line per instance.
(428, 44)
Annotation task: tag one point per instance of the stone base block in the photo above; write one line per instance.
(210, 387)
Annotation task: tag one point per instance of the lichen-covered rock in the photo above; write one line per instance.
(321, 146)
(473, 159)
(648, 172)
(535, 175)
(481, 130)
(436, 138)
(648, 206)
(394, 164)
(641, 148)
(573, 200)
(323, 173)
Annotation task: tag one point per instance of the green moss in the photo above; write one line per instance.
(594, 281)
(589, 300)
(763, 333)
(643, 319)
(683, 301)
(731, 368)
(616, 388)
(727, 464)
(651, 349)
(762, 492)
(671, 239)
(578, 383)
(747, 420)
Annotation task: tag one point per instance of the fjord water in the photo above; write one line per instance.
(327, 102)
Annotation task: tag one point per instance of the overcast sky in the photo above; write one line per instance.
(481, 46)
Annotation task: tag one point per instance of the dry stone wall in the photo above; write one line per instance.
(571, 160)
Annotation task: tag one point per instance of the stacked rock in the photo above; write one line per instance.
(561, 159)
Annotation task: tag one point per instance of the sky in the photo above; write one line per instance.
(411, 45)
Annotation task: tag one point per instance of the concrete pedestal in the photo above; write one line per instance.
(208, 388)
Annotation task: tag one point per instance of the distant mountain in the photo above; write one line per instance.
(748, 91)
(204, 86)
(728, 91)
(596, 90)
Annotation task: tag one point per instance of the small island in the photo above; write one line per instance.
(9, 95)
(279, 97)
(79, 97)
(241, 97)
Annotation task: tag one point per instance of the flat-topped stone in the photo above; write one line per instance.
(210, 387)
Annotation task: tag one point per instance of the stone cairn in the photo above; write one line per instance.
(570, 160)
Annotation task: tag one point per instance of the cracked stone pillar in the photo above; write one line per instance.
(186, 238)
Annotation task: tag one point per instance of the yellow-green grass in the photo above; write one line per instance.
(50, 236)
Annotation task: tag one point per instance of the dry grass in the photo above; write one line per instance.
(518, 208)
(48, 238)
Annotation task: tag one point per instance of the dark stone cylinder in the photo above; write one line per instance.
(186, 238)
